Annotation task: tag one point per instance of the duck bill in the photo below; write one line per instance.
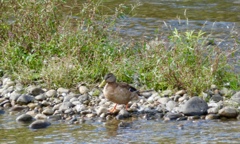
(102, 84)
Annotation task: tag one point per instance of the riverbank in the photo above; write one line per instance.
(38, 106)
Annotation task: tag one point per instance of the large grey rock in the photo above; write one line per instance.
(228, 112)
(25, 99)
(24, 118)
(236, 97)
(38, 124)
(194, 106)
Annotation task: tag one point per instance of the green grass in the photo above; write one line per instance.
(41, 43)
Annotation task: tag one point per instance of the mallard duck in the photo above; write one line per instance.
(118, 92)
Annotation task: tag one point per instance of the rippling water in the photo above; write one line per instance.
(139, 131)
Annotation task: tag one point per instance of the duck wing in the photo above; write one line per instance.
(124, 85)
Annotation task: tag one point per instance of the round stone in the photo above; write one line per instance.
(38, 124)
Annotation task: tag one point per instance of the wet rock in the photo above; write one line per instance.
(216, 98)
(194, 106)
(83, 89)
(228, 112)
(212, 116)
(35, 90)
(122, 114)
(18, 108)
(38, 124)
(24, 118)
(25, 99)
(172, 116)
(40, 97)
(236, 97)
(65, 105)
(51, 93)
(48, 111)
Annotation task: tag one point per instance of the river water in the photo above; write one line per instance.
(219, 17)
(139, 130)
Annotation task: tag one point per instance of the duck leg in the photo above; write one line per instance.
(113, 109)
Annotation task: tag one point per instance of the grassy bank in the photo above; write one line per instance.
(40, 43)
